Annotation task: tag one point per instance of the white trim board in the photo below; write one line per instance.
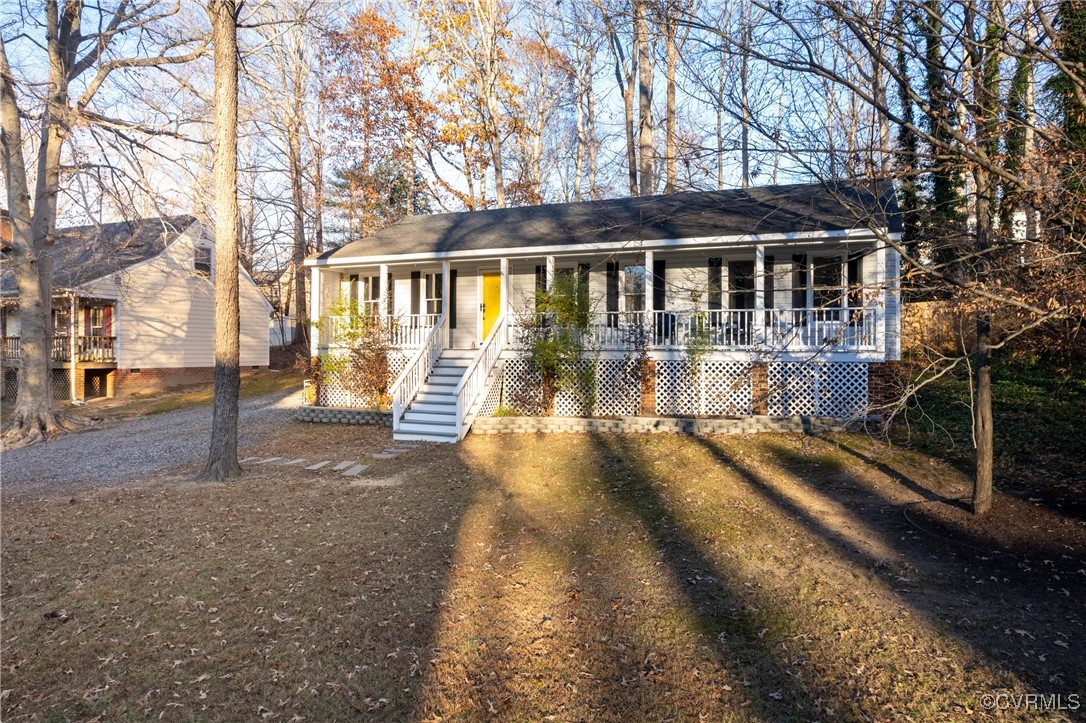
(802, 237)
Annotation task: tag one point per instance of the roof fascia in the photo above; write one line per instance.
(799, 237)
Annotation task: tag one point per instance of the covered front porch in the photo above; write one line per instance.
(817, 298)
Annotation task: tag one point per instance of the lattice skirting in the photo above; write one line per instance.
(343, 387)
(615, 389)
(62, 388)
(717, 389)
(823, 389)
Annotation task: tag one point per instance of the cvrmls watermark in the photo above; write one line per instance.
(1030, 701)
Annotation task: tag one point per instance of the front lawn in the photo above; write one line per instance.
(562, 577)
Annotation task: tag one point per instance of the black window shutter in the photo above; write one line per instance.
(716, 283)
(416, 291)
(391, 294)
(659, 284)
(799, 281)
(452, 299)
(612, 286)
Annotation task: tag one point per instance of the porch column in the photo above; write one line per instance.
(550, 273)
(315, 294)
(650, 283)
(881, 282)
(758, 323)
(445, 284)
(73, 345)
(505, 295)
(649, 318)
(382, 292)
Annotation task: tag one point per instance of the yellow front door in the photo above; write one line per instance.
(492, 301)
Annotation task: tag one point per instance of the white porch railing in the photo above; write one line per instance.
(800, 329)
(404, 332)
(852, 328)
(472, 384)
(411, 379)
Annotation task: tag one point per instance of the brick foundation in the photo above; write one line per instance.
(150, 380)
(884, 385)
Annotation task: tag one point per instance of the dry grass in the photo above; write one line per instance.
(562, 577)
(252, 384)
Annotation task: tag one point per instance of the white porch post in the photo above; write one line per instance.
(445, 284)
(758, 325)
(650, 282)
(881, 282)
(73, 345)
(549, 281)
(505, 297)
(382, 292)
(649, 319)
(315, 310)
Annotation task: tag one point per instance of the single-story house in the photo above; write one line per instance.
(788, 293)
(133, 309)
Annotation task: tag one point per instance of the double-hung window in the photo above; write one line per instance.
(432, 293)
(370, 303)
(633, 287)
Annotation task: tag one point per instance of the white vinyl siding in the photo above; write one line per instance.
(165, 313)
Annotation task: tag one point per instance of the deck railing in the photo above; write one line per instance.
(411, 379)
(829, 329)
(95, 348)
(403, 332)
(473, 383)
(88, 348)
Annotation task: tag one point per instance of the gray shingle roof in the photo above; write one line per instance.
(764, 210)
(85, 253)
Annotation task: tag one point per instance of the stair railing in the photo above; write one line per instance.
(411, 379)
(471, 386)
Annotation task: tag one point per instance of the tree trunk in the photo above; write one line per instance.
(671, 183)
(32, 229)
(222, 460)
(744, 103)
(646, 153)
(297, 192)
(982, 420)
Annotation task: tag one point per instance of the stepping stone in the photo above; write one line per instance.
(382, 455)
(292, 462)
(269, 459)
(247, 459)
(399, 450)
(354, 471)
(318, 465)
(343, 465)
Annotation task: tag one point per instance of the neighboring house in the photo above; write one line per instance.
(787, 292)
(133, 310)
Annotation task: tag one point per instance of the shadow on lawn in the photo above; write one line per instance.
(772, 690)
(964, 587)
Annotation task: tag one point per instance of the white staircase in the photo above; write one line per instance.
(432, 416)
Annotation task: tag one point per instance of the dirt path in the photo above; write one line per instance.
(119, 451)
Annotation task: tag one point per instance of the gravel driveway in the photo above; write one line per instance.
(118, 451)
